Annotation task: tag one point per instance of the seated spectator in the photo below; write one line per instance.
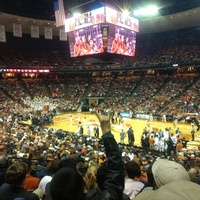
(46, 179)
(193, 174)
(14, 188)
(173, 182)
(30, 183)
(67, 184)
(45, 172)
(132, 184)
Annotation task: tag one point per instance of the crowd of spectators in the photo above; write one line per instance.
(57, 88)
(46, 151)
(89, 160)
(77, 88)
(157, 95)
(170, 94)
(122, 87)
(44, 145)
(99, 87)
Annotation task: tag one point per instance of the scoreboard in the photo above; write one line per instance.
(101, 15)
(103, 30)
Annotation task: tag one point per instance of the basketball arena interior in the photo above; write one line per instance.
(139, 60)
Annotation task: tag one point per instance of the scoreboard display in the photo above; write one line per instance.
(103, 30)
(84, 20)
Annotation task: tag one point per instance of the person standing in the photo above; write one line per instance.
(164, 119)
(88, 131)
(81, 130)
(198, 124)
(179, 147)
(184, 142)
(151, 142)
(175, 120)
(97, 131)
(85, 119)
(70, 119)
(192, 130)
(122, 136)
(131, 138)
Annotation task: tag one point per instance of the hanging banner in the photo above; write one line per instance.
(48, 33)
(63, 35)
(35, 31)
(2, 33)
(17, 30)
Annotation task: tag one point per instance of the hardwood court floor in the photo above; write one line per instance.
(67, 123)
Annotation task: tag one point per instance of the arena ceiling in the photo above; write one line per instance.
(174, 14)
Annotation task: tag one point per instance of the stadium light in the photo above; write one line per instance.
(147, 11)
(125, 13)
(76, 15)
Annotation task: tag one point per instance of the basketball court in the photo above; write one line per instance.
(70, 121)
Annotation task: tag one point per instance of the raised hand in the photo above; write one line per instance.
(104, 122)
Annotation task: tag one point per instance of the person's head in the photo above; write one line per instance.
(68, 163)
(193, 174)
(28, 162)
(67, 184)
(16, 174)
(132, 170)
(166, 171)
(53, 168)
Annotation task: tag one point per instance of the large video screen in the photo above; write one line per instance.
(86, 41)
(121, 40)
(84, 20)
(120, 19)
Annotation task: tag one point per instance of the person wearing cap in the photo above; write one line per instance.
(173, 183)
